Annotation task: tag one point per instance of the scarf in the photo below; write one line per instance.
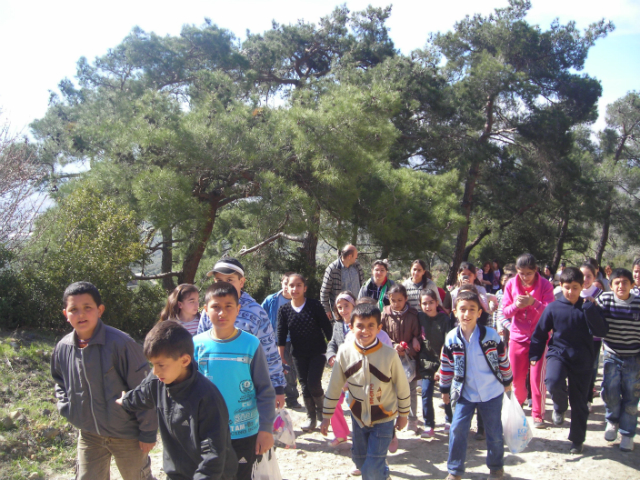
(401, 312)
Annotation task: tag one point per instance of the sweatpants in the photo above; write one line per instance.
(338, 422)
(245, 449)
(558, 372)
(520, 365)
(310, 370)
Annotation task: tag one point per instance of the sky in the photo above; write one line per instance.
(42, 40)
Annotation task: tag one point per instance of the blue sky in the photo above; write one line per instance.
(42, 40)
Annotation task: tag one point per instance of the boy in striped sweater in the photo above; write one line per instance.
(621, 378)
(474, 373)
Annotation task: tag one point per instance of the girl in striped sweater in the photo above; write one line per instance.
(182, 307)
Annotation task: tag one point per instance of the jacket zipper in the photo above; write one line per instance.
(84, 371)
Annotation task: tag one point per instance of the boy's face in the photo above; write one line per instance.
(223, 312)
(285, 288)
(83, 314)
(571, 291)
(170, 370)
(636, 274)
(365, 329)
(233, 278)
(468, 312)
(397, 301)
(621, 286)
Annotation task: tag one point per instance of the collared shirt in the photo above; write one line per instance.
(350, 278)
(480, 384)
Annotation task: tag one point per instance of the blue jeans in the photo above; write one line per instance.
(427, 402)
(621, 391)
(369, 449)
(459, 433)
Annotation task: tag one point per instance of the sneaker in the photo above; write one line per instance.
(447, 427)
(428, 433)
(611, 433)
(626, 444)
(355, 473)
(393, 446)
(576, 448)
(496, 474)
(539, 423)
(479, 435)
(557, 417)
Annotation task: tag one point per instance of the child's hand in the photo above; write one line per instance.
(522, 301)
(507, 389)
(119, 400)
(264, 442)
(324, 428)
(401, 422)
(415, 344)
(445, 398)
(590, 299)
(436, 377)
(331, 361)
(146, 447)
(399, 349)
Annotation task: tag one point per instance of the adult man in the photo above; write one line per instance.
(343, 274)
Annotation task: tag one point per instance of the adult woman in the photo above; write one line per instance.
(378, 286)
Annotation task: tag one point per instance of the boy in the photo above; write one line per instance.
(233, 360)
(91, 366)
(474, 373)
(574, 322)
(271, 305)
(378, 389)
(192, 414)
(252, 319)
(621, 377)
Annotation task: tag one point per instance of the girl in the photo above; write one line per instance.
(182, 307)
(377, 287)
(487, 276)
(592, 291)
(434, 326)
(525, 297)
(400, 321)
(419, 282)
(496, 277)
(305, 320)
(468, 270)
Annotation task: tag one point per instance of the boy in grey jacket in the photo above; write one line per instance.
(91, 366)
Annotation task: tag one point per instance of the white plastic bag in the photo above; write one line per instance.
(517, 431)
(283, 429)
(267, 468)
(409, 366)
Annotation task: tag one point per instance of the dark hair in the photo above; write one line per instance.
(366, 310)
(635, 262)
(398, 288)
(597, 280)
(335, 304)
(423, 264)
(504, 278)
(468, 287)
(471, 267)
(490, 266)
(221, 289)
(79, 288)
(620, 273)
(430, 293)
(470, 296)
(570, 275)
(526, 260)
(382, 263)
(593, 262)
(301, 277)
(510, 268)
(366, 301)
(169, 339)
(285, 275)
(590, 267)
(171, 309)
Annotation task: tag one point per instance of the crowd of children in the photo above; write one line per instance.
(219, 374)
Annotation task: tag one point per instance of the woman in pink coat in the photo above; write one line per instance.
(525, 298)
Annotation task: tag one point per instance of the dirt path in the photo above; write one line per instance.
(546, 457)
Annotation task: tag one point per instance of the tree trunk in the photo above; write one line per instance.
(193, 257)
(604, 235)
(310, 243)
(463, 233)
(557, 255)
(167, 258)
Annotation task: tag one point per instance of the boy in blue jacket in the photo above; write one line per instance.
(574, 322)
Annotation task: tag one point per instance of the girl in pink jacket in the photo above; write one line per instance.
(525, 298)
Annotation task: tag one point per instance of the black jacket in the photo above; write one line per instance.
(574, 327)
(433, 332)
(194, 426)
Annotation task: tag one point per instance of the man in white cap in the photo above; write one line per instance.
(252, 319)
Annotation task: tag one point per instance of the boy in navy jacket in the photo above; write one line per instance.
(574, 322)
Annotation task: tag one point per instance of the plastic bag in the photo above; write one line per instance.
(283, 429)
(267, 468)
(517, 431)
(409, 366)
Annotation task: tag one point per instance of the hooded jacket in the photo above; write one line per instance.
(89, 380)
(194, 426)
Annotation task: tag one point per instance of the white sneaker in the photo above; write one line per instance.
(447, 427)
(611, 433)
(626, 444)
(428, 433)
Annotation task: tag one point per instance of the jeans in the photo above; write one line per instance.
(95, 452)
(621, 391)
(291, 390)
(427, 403)
(413, 399)
(597, 345)
(369, 449)
(310, 370)
(459, 433)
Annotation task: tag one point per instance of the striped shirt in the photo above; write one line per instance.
(191, 326)
(623, 317)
